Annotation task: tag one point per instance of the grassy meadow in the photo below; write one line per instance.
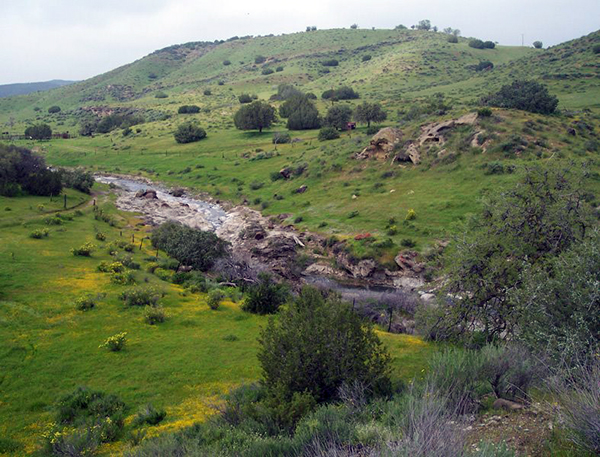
(50, 348)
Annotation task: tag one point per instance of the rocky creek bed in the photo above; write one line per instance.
(269, 244)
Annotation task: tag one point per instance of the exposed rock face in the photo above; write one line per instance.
(437, 132)
(406, 261)
(382, 144)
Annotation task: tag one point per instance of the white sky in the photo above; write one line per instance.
(76, 39)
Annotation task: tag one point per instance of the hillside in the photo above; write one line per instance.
(10, 90)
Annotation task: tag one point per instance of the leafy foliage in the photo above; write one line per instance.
(301, 112)
(342, 93)
(265, 296)
(524, 95)
(318, 344)
(369, 112)
(189, 133)
(338, 117)
(39, 132)
(524, 227)
(196, 248)
(256, 115)
(188, 109)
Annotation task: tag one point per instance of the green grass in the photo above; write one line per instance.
(49, 347)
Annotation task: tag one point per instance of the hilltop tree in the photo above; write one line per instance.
(39, 132)
(425, 24)
(256, 115)
(538, 44)
(369, 112)
(338, 116)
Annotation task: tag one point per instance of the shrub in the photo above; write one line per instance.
(267, 71)
(160, 94)
(477, 44)
(484, 65)
(226, 62)
(489, 45)
(279, 69)
(207, 92)
(140, 296)
(84, 250)
(189, 133)
(318, 344)
(338, 117)
(259, 59)
(39, 132)
(154, 315)
(54, 109)
(524, 95)
(342, 93)
(245, 98)
(411, 215)
(265, 296)
(452, 39)
(124, 278)
(116, 342)
(484, 112)
(100, 236)
(372, 130)
(214, 298)
(330, 63)
(53, 220)
(538, 44)
(111, 267)
(148, 414)
(39, 233)
(408, 243)
(188, 109)
(366, 57)
(580, 409)
(281, 138)
(596, 49)
(85, 303)
(328, 133)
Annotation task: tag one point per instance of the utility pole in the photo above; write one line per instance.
(522, 39)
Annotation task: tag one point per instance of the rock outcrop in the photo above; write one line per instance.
(382, 145)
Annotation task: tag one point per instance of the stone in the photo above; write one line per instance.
(177, 192)
(428, 298)
(301, 189)
(382, 144)
(286, 173)
(508, 405)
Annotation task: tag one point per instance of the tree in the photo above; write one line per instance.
(54, 109)
(328, 133)
(191, 247)
(452, 39)
(559, 310)
(265, 296)
(538, 44)
(316, 345)
(338, 116)
(477, 44)
(524, 95)
(39, 132)
(489, 45)
(341, 93)
(189, 133)
(256, 115)
(354, 26)
(369, 112)
(425, 24)
(524, 227)
(301, 112)
(22, 170)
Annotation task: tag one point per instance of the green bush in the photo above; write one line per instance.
(148, 414)
(39, 132)
(484, 112)
(54, 109)
(207, 92)
(484, 66)
(477, 44)
(111, 267)
(100, 236)
(281, 138)
(188, 109)
(39, 233)
(259, 59)
(226, 62)
(267, 71)
(538, 44)
(342, 93)
(596, 49)
(53, 220)
(189, 133)
(85, 250)
(164, 275)
(318, 344)
(214, 298)
(245, 98)
(330, 63)
(452, 39)
(116, 342)
(85, 302)
(140, 296)
(154, 314)
(122, 278)
(524, 95)
(366, 57)
(489, 45)
(279, 69)
(338, 117)
(265, 296)
(160, 94)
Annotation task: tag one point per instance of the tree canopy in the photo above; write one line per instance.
(255, 116)
(338, 116)
(39, 132)
(524, 95)
(189, 133)
(369, 112)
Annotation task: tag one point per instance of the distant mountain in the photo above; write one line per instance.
(8, 90)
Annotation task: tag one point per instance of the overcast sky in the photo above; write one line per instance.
(76, 39)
